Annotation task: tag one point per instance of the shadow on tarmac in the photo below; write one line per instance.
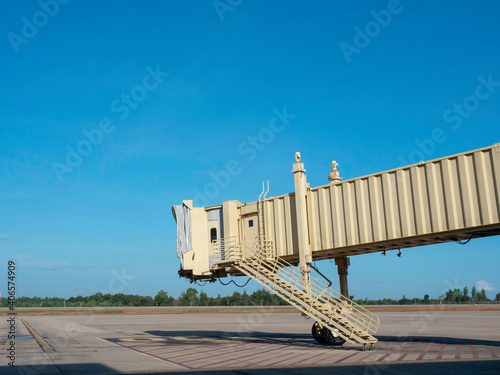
(70, 369)
(291, 339)
(490, 367)
(223, 337)
(438, 340)
(218, 334)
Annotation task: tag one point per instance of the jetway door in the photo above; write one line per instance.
(250, 229)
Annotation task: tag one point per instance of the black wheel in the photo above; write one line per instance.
(366, 347)
(372, 347)
(331, 337)
(317, 333)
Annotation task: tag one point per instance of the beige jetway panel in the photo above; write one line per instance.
(280, 223)
(435, 201)
(446, 199)
(231, 217)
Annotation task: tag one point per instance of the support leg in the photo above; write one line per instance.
(342, 264)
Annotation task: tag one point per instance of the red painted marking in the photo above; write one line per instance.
(245, 356)
(171, 349)
(152, 355)
(165, 353)
(153, 349)
(282, 359)
(185, 351)
(387, 342)
(408, 352)
(394, 350)
(316, 358)
(421, 356)
(492, 353)
(349, 356)
(227, 352)
(457, 351)
(211, 350)
(303, 360)
(180, 350)
(474, 351)
(441, 351)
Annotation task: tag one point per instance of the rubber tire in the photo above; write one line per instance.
(330, 338)
(317, 333)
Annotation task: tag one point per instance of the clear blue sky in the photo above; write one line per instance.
(174, 89)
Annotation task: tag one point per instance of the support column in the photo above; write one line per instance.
(300, 181)
(342, 264)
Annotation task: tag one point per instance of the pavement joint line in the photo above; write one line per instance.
(46, 347)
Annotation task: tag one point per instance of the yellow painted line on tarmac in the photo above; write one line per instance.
(141, 340)
(170, 338)
(44, 345)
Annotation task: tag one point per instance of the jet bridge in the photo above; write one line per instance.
(455, 198)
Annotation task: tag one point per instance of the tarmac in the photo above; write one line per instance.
(253, 343)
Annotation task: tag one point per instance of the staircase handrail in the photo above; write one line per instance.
(349, 309)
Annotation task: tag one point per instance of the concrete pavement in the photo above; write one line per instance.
(258, 343)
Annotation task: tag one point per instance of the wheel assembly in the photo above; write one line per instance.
(317, 333)
(331, 337)
(324, 335)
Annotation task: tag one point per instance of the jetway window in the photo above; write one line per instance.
(250, 223)
(213, 234)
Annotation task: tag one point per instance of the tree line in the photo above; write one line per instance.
(190, 297)
(261, 297)
(455, 296)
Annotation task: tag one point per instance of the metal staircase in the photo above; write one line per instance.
(337, 318)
